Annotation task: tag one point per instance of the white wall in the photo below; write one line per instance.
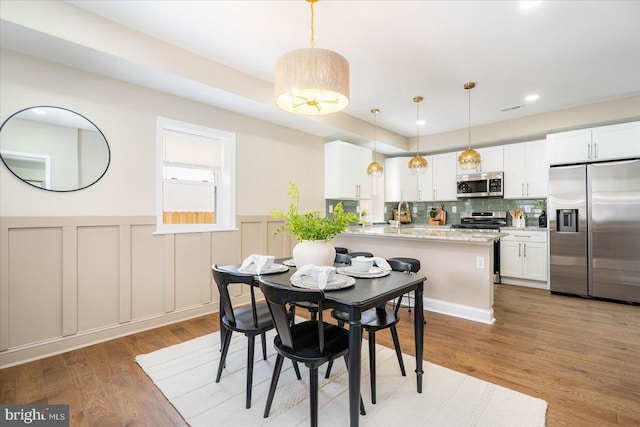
(268, 155)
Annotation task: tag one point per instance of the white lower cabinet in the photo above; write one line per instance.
(523, 258)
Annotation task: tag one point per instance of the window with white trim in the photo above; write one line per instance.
(196, 178)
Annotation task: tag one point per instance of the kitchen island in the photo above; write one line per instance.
(458, 263)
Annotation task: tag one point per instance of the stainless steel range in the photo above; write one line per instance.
(482, 220)
(486, 221)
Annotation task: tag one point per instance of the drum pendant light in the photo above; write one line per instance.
(418, 164)
(374, 169)
(469, 159)
(312, 81)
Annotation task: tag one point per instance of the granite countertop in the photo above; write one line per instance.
(441, 233)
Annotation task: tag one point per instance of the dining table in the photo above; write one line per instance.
(364, 294)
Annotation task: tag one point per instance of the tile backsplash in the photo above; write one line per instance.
(422, 208)
(421, 216)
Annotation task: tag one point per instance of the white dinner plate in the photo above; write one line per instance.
(275, 268)
(339, 281)
(372, 273)
(289, 262)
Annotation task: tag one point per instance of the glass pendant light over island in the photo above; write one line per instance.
(311, 81)
(469, 159)
(375, 169)
(418, 164)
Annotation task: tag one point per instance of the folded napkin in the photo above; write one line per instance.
(381, 263)
(258, 260)
(323, 273)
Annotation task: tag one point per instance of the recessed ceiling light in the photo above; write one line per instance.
(533, 97)
(529, 4)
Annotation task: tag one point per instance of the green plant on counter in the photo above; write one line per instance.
(432, 213)
(312, 226)
(542, 204)
(363, 216)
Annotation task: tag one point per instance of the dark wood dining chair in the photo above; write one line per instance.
(312, 342)
(374, 320)
(251, 320)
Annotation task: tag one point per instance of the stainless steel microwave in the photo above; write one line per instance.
(485, 184)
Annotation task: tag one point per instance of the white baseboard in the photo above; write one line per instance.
(459, 310)
(524, 282)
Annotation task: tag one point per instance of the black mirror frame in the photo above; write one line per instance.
(70, 111)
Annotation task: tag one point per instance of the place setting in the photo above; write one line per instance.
(364, 268)
(261, 264)
(325, 278)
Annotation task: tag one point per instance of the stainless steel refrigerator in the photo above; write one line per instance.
(594, 226)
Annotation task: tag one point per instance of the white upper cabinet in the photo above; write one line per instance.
(594, 144)
(345, 171)
(616, 141)
(526, 170)
(399, 183)
(443, 179)
(492, 160)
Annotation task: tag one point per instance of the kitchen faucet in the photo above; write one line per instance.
(399, 211)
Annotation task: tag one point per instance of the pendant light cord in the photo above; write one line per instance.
(469, 120)
(312, 44)
(375, 125)
(417, 128)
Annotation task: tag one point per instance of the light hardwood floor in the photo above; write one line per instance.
(581, 356)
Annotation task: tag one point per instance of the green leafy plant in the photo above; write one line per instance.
(432, 213)
(312, 226)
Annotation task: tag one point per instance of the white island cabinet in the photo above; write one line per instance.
(345, 171)
(523, 258)
(526, 170)
(595, 144)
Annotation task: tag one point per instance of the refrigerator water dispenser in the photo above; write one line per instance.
(567, 220)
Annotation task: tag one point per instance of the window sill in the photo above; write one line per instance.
(194, 230)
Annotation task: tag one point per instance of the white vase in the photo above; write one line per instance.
(317, 252)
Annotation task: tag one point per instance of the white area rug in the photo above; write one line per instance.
(186, 372)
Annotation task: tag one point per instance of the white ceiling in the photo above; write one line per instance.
(571, 53)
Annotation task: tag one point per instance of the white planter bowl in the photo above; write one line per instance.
(317, 252)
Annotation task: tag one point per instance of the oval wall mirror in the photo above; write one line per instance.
(53, 148)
